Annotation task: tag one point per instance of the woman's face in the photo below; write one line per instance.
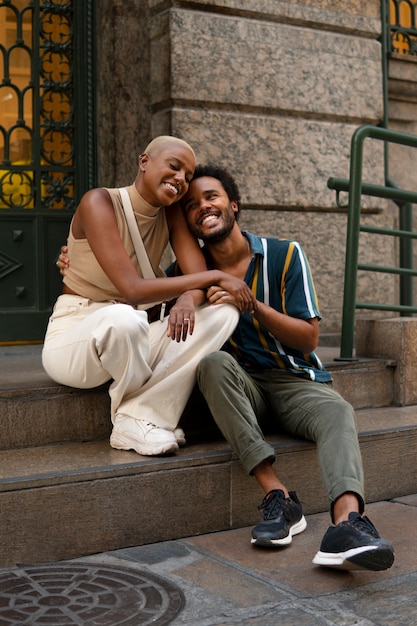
(165, 174)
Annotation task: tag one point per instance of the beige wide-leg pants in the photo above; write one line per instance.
(89, 343)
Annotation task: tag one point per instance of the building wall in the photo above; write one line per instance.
(271, 89)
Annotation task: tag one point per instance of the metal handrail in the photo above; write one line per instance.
(356, 189)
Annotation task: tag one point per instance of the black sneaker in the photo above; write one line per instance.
(283, 517)
(355, 544)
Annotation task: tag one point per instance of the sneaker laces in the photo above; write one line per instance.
(363, 524)
(272, 504)
(149, 424)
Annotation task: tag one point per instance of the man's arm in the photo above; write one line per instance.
(293, 332)
(297, 326)
(295, 323)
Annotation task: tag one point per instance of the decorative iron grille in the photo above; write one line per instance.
(56, 102)
(403, 20)
(37, 100)
(47, 150)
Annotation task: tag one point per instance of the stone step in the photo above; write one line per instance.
(364, 382)
(36, 411)
(73, 499)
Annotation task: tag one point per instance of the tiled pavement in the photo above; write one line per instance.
(223, 580)
(227, 581)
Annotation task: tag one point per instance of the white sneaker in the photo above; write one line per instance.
(141, 436)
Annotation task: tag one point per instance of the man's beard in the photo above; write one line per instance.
(216, 236)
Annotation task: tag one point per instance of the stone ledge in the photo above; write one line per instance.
(65, 512)
(395, 338)
(357, 18)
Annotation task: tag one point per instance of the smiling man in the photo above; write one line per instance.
(269, 375)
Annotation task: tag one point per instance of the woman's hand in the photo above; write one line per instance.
(181, 318)
(239, 292)
(217, 295)
(63, 261)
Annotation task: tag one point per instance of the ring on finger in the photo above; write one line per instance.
(186, 319)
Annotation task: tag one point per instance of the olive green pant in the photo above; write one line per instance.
(243, 403)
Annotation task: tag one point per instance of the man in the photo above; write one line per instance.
(268, 372)
(99, 329)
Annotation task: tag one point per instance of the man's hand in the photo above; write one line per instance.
(217, 295)
(63, 261)
(181, 318)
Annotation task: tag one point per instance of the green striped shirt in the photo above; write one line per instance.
(279, 275)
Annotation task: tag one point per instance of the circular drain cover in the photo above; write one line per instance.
(86, 594)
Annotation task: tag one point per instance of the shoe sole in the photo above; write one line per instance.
(120, 442)
(370, 558)
(266, 542)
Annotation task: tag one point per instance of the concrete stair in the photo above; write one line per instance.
(65, 493)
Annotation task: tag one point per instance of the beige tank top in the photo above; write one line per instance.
(85, 276)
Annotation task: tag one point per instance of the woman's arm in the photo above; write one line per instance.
(95, 220)
(185, 246)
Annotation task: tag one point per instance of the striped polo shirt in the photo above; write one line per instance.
(278, 275)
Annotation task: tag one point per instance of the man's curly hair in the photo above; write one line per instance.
(224, 177)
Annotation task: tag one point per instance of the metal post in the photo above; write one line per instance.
(352, 243)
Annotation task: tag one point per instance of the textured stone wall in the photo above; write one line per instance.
(273, 90)
(123, 87)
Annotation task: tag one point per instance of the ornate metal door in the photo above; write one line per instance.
(47, 156)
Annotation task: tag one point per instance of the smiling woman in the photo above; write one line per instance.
(99, 329)
(164, 168)
(174, 162)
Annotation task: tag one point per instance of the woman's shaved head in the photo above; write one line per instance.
(164, 141)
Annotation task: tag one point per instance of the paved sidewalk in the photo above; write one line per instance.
(219, 579)
(227, 581)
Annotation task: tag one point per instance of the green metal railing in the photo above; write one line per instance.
(404, 200)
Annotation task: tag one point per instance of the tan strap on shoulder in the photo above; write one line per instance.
(141, 254)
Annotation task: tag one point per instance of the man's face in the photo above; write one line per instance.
(166, 174)
(210, 214)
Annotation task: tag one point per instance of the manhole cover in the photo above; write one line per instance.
(86, 594)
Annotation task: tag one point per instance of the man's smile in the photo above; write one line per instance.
(207, 218)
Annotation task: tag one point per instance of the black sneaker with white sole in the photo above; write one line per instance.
(354, 544)
(282, 518)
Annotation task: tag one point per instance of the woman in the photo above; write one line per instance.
(99, 329)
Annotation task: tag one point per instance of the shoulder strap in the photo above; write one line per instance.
(141, 254)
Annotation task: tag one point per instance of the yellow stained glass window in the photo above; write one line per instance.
(403, 21)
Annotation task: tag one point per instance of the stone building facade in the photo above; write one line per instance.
(274, 91)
